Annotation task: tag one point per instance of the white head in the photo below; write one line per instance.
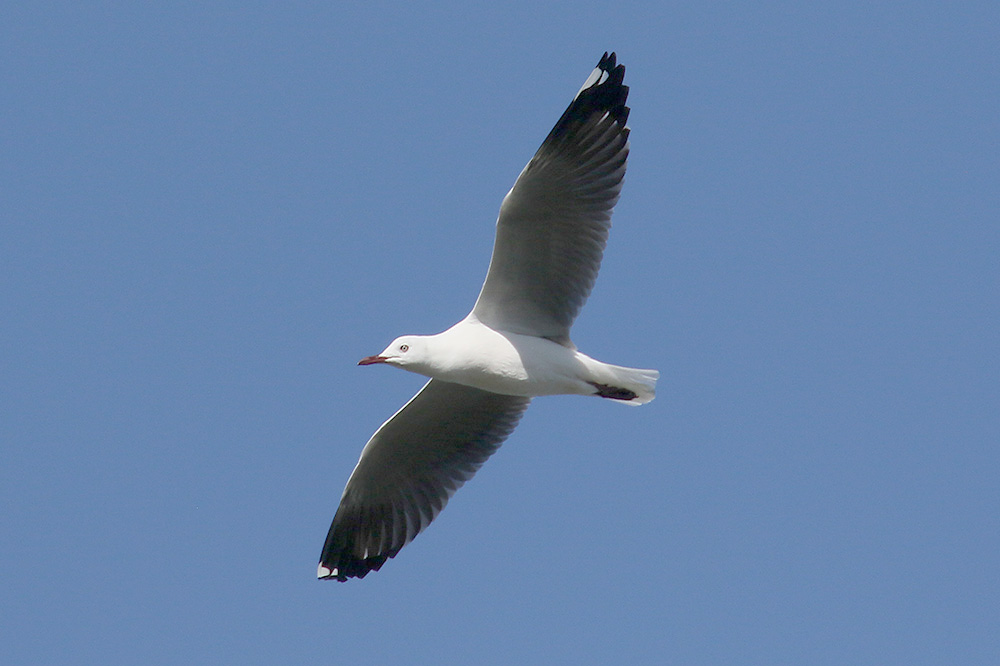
(404, 351)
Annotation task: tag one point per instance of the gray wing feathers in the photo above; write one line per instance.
(409, 470)
(554, 223)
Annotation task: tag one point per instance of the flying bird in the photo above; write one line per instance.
(513, 346)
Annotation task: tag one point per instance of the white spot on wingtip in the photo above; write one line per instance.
(324, 572)
(597, 77)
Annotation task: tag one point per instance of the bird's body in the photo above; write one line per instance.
(513, 346)
(473, 354)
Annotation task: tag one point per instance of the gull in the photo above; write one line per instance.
(513, 346)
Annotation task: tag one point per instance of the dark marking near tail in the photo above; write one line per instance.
(614, 392)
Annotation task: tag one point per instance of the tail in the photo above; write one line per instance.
(633, 386)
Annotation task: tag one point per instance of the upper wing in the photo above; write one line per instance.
(554, 222)
(409, 470)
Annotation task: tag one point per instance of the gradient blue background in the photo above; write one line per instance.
(209, 212)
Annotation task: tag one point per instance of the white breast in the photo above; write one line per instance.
(473, 354)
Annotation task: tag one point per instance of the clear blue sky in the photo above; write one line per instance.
(209, 213)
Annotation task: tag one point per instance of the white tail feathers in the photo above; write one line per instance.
(634, 386)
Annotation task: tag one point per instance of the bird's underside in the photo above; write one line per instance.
(551, 233)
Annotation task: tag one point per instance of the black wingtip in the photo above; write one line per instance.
(349, 567)
(342, 565)
(614, 92)
(338, 561)
(606, 94)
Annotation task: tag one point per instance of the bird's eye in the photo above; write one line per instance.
(403, 348)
